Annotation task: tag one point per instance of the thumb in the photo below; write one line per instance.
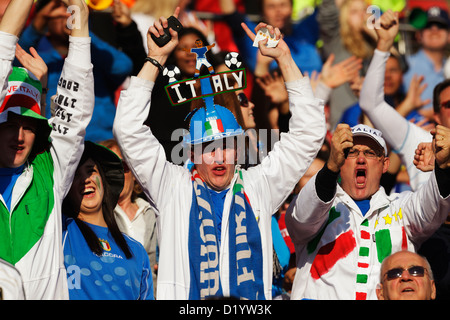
(330, 60)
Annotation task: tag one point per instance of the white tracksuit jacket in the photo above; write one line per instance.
(339, 251)
(169, 186)
(42, 266)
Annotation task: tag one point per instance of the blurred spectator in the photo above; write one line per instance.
(429, 61)
(48, 33)
(301, 37)
(344, 33)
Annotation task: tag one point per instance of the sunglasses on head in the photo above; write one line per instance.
(243, 100)
(414, 271)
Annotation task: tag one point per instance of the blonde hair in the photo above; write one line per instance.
(357, 43)
(155, 8)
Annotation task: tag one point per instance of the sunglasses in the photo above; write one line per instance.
(445, 104)
(243, 100)
(396, 273)
(369, 154)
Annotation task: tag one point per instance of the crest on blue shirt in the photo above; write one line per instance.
(105, 244)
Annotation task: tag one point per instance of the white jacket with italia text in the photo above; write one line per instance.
(339, 251)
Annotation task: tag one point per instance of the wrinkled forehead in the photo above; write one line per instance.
(359, 141)
(224, 143)
(404, 260)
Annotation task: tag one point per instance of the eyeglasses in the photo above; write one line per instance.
(414, 271)
(243, 100)
(369, 154)
(446, 104)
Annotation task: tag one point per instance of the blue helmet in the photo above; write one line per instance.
(211, 123)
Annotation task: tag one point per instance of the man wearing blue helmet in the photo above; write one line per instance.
(215, 220)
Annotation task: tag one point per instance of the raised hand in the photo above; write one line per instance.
(157, 29)
(441, 145)
(424, 157)
(149, 71)
(413, 99)
(78, 22)
(273, 86)
(388, 30)
(280, 53)
(121, 13)
(34, 63)
(338, 74)
(342, 139)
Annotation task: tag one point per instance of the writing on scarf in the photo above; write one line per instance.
(209, 273)
(242, 249)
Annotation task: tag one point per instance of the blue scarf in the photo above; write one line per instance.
(245, 250)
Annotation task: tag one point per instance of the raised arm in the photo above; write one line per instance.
(428, 207)
(398, 132)
(138, 145)
(74, 100)
(15, 16)
(309, 211)
(292, 155)
(280, 53)
(11, 25)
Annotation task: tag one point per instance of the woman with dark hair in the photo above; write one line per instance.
(101, 262)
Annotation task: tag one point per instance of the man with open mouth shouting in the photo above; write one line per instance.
(343, 231)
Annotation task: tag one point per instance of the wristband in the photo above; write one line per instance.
(155, 63)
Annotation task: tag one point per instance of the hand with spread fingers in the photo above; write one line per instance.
(424, 157)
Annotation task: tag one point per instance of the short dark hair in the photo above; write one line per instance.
(437, 92)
